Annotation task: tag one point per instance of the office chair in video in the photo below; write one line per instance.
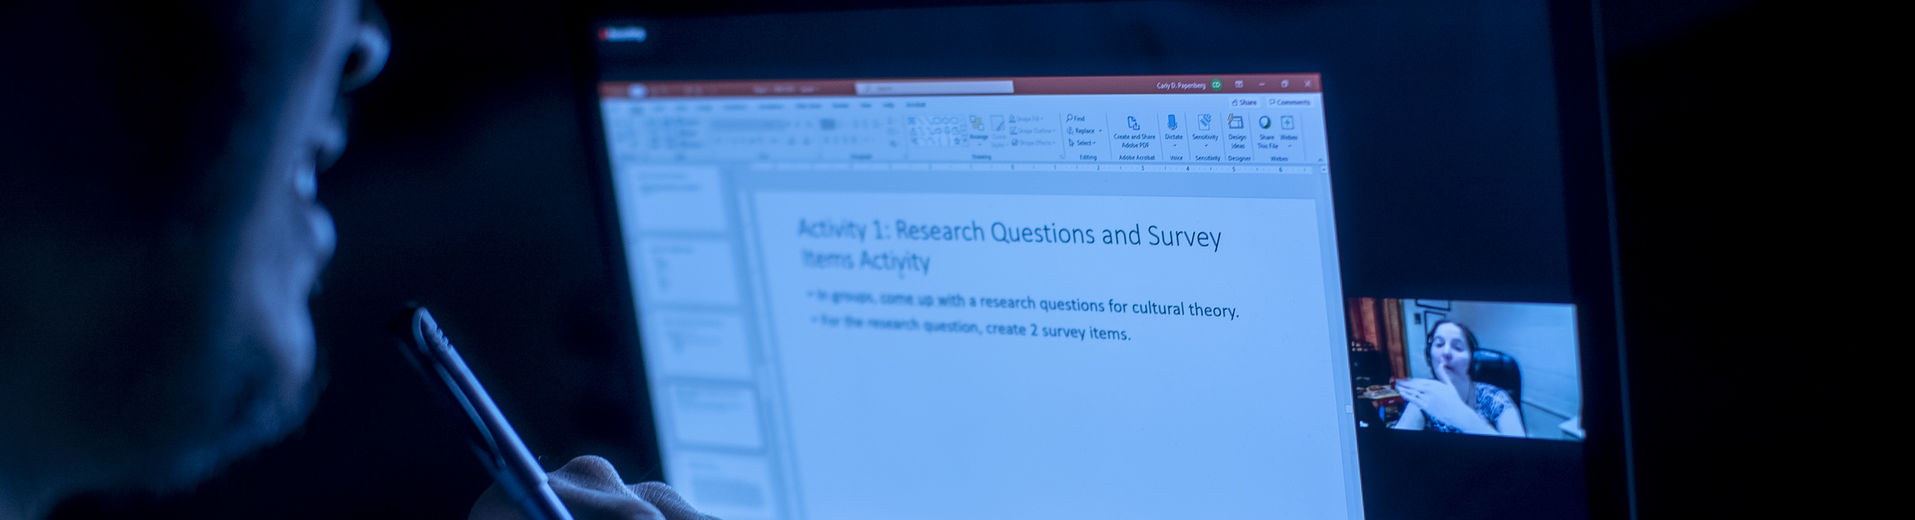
(1500, 369)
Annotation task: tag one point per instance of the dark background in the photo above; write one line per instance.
(468, 186)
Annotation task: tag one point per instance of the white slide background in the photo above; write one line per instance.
(1193, 417)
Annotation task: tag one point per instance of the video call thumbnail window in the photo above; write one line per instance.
(1484, 368)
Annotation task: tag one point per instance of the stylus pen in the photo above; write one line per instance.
(492, 438)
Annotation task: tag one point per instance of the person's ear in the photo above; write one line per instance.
(370, 47)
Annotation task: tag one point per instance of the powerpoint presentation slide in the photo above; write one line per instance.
(1483, 368)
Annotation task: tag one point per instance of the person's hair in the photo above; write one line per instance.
(1429, 340)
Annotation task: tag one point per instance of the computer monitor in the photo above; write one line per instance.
(971, 262)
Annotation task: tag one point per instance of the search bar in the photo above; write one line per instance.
(932, 88)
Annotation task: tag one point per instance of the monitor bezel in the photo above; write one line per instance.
(1587, 178)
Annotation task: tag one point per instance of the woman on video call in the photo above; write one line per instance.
(1452, 402)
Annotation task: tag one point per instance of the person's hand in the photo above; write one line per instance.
(1440, 401)
(592, 490)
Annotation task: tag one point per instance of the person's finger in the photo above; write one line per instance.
(493, 505)
(590, 472)
(592, 490)
(668, 502)
(589, 487)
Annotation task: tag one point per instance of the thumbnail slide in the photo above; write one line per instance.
(1071, 354)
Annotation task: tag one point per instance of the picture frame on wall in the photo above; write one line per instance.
(1441, 305)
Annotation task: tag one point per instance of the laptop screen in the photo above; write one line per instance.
(1093, 260)
(887, 298)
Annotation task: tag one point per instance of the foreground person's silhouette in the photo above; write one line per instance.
(159, 237)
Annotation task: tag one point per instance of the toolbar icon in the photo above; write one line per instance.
(1263, 122)
(1131, 122)
(1289, 122)
(1171, 123)
(1235, 122)
(1203, 122)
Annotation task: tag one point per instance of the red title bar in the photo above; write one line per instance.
(1043, 85)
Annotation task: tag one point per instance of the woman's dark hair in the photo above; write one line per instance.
(1429, 340)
